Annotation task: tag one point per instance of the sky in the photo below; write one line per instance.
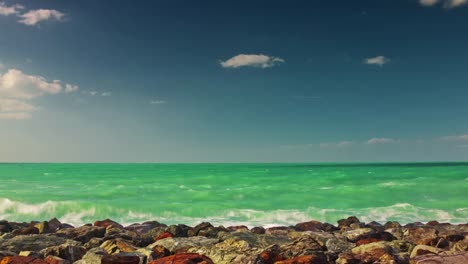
(233, 81)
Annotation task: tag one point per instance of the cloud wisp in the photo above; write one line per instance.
(9, 10)
(17, 89)
(456, 138)
(252, 60)
(375, 141)
(445, 3)
(33, 17)
(379, 61)
(157, 102)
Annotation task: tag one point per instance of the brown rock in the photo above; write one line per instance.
(21, 260)
(237, 228)
(160, 251)
(309, 226)
(318, 258)
(184, 258)
(116, 245)
(178, 230)
(108, 222)
(108, 259)
(31, 230)
(55, 260)
(258, 230)
(423, 250)
(54, 224)
(163, 235)
(269, 255)
(195, 230)
(420, 235)
(82, 234)
(457, 258)
(348, 221)
(366, 241)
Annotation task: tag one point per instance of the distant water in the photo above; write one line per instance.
(234, 194)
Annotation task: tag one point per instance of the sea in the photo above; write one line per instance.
(234, 194)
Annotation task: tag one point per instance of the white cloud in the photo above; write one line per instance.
(94, 93)
(373, 141)
(428, 2)
(70, 88)
(9, 10)
(336, 144)
(445, 3)
(18, 88)
(91, 93)
(251, 60)
(33, 17)
(157, 102)
(459, 137)
(379, 60)
(454, 3)
(105, 94)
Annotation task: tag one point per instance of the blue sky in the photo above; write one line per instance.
(233, 81)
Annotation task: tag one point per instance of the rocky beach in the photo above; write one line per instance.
(348, 241)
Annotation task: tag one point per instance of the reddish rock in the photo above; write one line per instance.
(309, 226)
(348, 221)
(269, 255)
(309, 259)
(82, 234)
(196, 230)
(22, 260)
(55, 260)
(108, 222)
(160, 251)
(163, 235)
(236, 228)
(258, 230)
(184, 258)
(420, 235)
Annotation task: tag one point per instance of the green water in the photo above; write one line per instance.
(228, 194)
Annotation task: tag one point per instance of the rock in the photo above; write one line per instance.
(237, 228)
(145, 227)
(347, 222)
(94, 256)
(29, 254)
(107, 222)
(396, 232)
(457, 258)
(93, 243)
(258, 230)
(31, 243)
(254, 240)
(5, 227)
(320, 237)
(163, 235)
(83, 233)
(379, 252)
(160, 251)
(178, 230)
(116, 259)
(184, 258)
(54, 225)
(182, 244)
(55, 260)
(423, 250)
(305, 245)
(338, 245)
(21, 260)
(195, 230)
(279, 231)
(309, 226)
(229, 251)
(42, 227)
(70, 251)
(420, 235)
(4, 253)
(269, 255)
(460, 246)
(114, 246)
(31, 230)
(367, 241)
(356, 234)
(316, 258)
(212, 232)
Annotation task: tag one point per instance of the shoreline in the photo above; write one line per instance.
(348, 241)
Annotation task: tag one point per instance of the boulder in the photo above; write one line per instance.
(305, 245)
(144, 227)
(82, 234)
(195, 230)
(94, 256)
(21, 260)
(55, 260)
(423, 250)
(316, 258)
(32, 243)
(178, 230)
(70, 251)
(456, 258)
(182, 244)
(184, 258)
(114, 246)
(343, 223)
(420, 235)
(360, 233)
(229, 251)
(108, 222)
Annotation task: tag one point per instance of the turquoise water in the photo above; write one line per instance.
(232, 194)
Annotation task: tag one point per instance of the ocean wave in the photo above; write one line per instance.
(80, 213)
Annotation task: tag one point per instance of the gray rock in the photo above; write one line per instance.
(182, 244)
(32, 243)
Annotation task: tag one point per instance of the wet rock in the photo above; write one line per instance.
(195, 230)
(108, 222)
(31, 243)
(114, 246)
(182, 244)
(22, 260)
(184, 258)
(457, 258)
(82, 234)
(93, 243)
